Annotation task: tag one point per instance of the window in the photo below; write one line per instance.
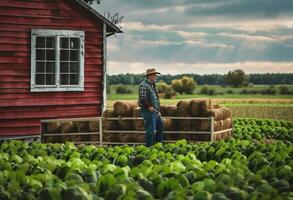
(57, 59)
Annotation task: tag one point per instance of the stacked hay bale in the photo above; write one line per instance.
(192, 108)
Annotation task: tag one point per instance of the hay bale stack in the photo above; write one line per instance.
(138, 123)
(124, 109)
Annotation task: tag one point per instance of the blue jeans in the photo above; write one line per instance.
(153, 124)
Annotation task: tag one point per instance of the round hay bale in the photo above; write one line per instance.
(111, 137)
(204, 105)
(229, 122)
(167, 124)
(67, 127)
(139, 137)
(216, 113)
(194, 108)
(138, 123)
(126, 125)
(81, 126)
(94, 126)
(94, 138)
(217, 126)
(163, 110)
(183, 108)
(110, 124)
(122, 108)
(53, 127)
(221, 124)
(171, 111)
(126, 137)
(204, 125)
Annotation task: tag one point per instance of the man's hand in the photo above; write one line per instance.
(151, 108)
(159, 113)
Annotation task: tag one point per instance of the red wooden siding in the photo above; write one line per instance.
(22, 110)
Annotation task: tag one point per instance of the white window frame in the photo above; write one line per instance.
(57, 34)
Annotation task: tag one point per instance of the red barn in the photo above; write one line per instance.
(52, 62)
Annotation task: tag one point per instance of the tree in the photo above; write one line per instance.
(114, 18)
(184, 85)
(236, 78)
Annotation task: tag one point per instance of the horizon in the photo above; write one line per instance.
(196, 36)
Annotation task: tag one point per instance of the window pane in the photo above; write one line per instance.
(64, 67)
(74, 67)
(64, 55)
(64, 43)
(73, 79)
(50, 79)
(40, 79)
(40, 42)
(50, 67)
(73, 55)
(50, 54)
(64, 79)
(40, 67)
(40, 54)
(74, 43)
(50, 42)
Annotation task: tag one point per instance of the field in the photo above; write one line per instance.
(255, 164)
(242, 105)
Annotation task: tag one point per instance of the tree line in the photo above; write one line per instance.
(209, 79)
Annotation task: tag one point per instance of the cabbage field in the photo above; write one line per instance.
(255, 164)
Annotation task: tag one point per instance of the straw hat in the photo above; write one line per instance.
(151, 71)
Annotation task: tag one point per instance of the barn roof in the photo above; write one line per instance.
(111, 28)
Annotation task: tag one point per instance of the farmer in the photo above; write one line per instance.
(149, 103)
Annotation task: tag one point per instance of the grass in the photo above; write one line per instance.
(217, 88)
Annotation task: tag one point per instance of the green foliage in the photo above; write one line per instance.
(123, 89)
(236, 78)
(244, 167)
(209, 79)
(164, 88)
(184, 85)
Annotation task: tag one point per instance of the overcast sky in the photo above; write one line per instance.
(201, 36)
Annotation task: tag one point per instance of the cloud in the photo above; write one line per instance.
(245, 8)
(198, 34)
(197, 68)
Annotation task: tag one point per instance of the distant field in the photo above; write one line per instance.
(217, 88)
(257, 106)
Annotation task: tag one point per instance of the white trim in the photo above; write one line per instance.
(57, 34)
(104, 83)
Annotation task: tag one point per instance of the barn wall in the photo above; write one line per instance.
(22, 110)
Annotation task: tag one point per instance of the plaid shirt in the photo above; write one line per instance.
(148, 95)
